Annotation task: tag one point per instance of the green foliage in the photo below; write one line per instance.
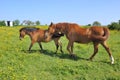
(89, 25)
(16, 22)
(96, 23)
(27, 23)
(17, 63)
(37, 22)
(2, 23)
(114, 26)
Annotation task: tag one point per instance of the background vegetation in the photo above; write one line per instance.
(16, 63)
(111, 26)
(114, 25)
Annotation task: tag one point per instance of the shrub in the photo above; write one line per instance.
(114, 26)
(2, 23)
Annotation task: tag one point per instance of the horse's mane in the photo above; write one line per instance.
(30, 29)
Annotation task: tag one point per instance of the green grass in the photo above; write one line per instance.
(16, 63)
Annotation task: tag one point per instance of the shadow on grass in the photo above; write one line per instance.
(29, 52)
(61, 55)
(53, 54)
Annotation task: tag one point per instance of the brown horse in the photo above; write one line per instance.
(39, 35)
(74, 33)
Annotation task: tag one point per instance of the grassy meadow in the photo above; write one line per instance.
(16, 63)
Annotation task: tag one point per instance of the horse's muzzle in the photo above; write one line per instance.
(56, 35)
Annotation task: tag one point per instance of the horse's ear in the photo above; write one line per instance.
(51, 24)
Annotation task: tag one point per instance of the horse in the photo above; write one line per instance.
(75, 33)
(38, 35)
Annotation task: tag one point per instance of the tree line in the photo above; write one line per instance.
(112, 26)
(18, 23)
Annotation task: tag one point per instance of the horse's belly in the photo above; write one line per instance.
(83, 40)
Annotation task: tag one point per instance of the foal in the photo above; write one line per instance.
(39, 35)
(74, 33)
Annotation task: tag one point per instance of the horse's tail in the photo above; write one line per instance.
(106, 33)
(103, 37)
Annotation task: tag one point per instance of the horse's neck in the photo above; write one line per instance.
(65, 29)
(29, 33)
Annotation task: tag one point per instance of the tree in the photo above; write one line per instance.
(37, 22)
(2, 23)
(96, 23)
(27, 22)
(114, 26)
(16, 22)
(89, 25)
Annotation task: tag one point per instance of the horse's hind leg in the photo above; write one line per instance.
(30, 46)
(95, 50)
(108, 51)
(58, 43)
(70, 48)
(40, 45)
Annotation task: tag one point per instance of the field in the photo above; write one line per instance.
(16, 63)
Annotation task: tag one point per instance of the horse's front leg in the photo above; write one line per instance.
(31, 45)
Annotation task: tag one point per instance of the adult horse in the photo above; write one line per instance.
(74, 33)
(39, 35)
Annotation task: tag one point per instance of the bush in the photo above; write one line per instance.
(16, 22)
(2, 23)
(114, 26)
(96, 23)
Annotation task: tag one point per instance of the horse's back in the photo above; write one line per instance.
(41, 33)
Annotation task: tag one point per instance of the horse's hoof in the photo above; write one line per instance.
(55, 52)
(28, 50)
(112, 62)
(89, 59)
(72, 55)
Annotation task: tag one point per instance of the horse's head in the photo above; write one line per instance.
(22, 33)
(52, 28)
(55, 30)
